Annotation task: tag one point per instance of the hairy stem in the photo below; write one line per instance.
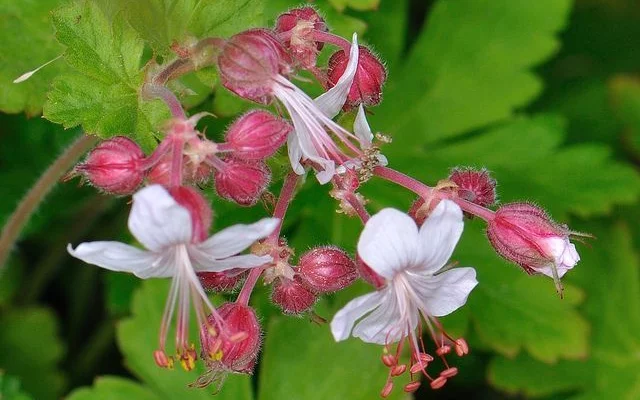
(426, 192)
(157, 91)
(37, 193)
(286, 195)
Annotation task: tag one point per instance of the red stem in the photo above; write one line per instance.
(166, 95)
(286, 195)
(425, 191)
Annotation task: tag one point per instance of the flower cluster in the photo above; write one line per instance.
(403, 255)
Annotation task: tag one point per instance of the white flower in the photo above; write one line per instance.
(562, 251)
(312, 120)
(164, 228)
(411, 261)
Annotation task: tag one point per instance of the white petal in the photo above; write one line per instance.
(439, 235)
(346, 317)
(387, 323)
(389, 242)
(203, 262)
(116, 256)
(295, 153)
(232, 240)
(563, 252)
(157, 220)
(446, 292)
(332, 101)
(362, 129)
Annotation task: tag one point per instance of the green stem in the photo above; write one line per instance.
(37, 193)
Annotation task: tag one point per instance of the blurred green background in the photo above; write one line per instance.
(545, 94)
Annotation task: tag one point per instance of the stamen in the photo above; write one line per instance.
(398, 370)
(29, 74)
(462, 348)
(389, 360)
(444, 349)
(386, 390)
(438, 382)
(162, 360)
(449, 372)
(411, 386)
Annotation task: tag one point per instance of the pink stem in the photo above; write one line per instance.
(155, 157)
(335, 40)
(166, 95)
(176, 161)
(425, 191)
(353, 200)
(286, 195)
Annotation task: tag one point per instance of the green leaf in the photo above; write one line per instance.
(163, 22)
(625, 91)
(138, 339)
(470, 67)
(610, 276)
(297, 352)
(30, 349)
(113, 388)
(103, 95)
(27, 43)
(360, 5)
(525, 158)
(10, 388)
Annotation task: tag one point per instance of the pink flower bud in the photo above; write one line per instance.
(300, 23)
(257, 135)
(233, 347)
(199, 210)
(292, 296)
(225, 281)
(114, 166)
(240, 181)
(249, 61)
(369, 275)
(524, 234)
(327, 269)
(475, 186)
(370, 77)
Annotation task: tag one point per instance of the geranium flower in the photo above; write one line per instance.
(165, 229)
(411, 261)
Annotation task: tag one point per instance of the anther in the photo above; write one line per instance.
(411, 386)
(417, 367)
(386, 390)
(445, 349)
(162, 360)
(462, 348)
(389, 360)
(449, 372)
(398, 370)
(438, 382)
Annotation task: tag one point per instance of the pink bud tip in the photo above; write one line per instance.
(524, 234)
(411, 386)
(449, 372)
(327, 269)
(225, 281)
(257, 135)
(369, 275)
(198, 208)
(114, 166)
(292, 296)
(462, 348)
(241, 181)
(438, 382)
(301, 23)
(370, 76)
(386, 390)
(221, 345)
(475, 186)
(249, 61)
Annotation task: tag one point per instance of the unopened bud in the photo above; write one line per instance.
(369, 275)
(225, 281)
(194, 174)
(199, 210)
(257, 135)
(114, 166)
(301, 22)
(475, 186)
(249, 61)
(370, 76)
(240, 181)
(524, 234)
(327, 269)
(292, 296)
(235, 346)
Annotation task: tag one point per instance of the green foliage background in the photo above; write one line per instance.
(546, 94)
